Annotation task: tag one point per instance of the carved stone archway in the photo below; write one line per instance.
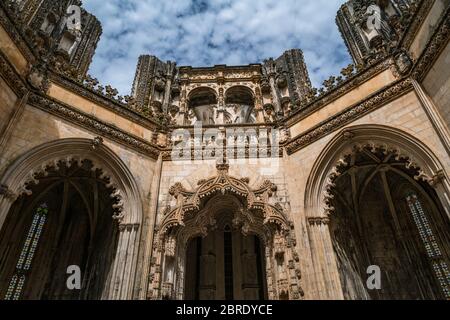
(255, 212)
(127, 208)
(400, 146)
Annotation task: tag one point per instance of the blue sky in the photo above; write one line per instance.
(210, 32)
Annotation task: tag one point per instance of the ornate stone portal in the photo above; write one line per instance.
(375, 193)
(199, 212)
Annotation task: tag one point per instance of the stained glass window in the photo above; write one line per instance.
(432, 248)
(27, 253)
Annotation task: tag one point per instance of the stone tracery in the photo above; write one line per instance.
(253, 212)
(26, 172)
(362, 183)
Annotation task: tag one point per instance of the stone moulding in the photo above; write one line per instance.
(256, 199)
(93, 124)
(238, 153)
(350, 114)
(419, 17)
(14, 33)
(11, 77)
(344, 88)
(226, 74)
(434, 48)
(122, 110)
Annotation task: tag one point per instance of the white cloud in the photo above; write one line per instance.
(209, 32)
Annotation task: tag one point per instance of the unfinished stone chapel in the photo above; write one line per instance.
(316, 187)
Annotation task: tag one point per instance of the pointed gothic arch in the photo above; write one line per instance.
(403, 144)
(253, 211)
(363, 160)
(127, 205)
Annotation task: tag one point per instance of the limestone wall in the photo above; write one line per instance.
(36, 127)
(428, 27)
(357, 95)
(406, 114)
(12, 52)
(189, 173)
(7, 102)
(437, 84)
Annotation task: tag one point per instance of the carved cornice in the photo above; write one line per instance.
(221, 73)
(93, 124)
(434, 48)
(111, 104)
(6, 21)
(318, 221)
(350, 114)
(347, 86)
(191, 201)
(416, 22)
(11, 77)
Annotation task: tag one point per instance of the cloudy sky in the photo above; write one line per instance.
(210, 32)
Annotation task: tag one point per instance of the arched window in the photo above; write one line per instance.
(383, 216)
(203, 101)
(27, 253)
(240, 104)
(430, 242)
(66, 221)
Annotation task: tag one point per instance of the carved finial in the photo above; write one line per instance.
(319, 220)
(348, 71)
(403, 63)
(437, 178)
(98, 141)
(118, 216)
(348, 135)
(38, 78)
(222, 165)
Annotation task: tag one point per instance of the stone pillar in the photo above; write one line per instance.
(440, 184)
(123, 270)
(221, 99)
(271, 293)
(148, 235)
(434, 115)
(168, 89)
(327, 275)
(14, 118)
(275, 95)
(182, 114)
(7, 198)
